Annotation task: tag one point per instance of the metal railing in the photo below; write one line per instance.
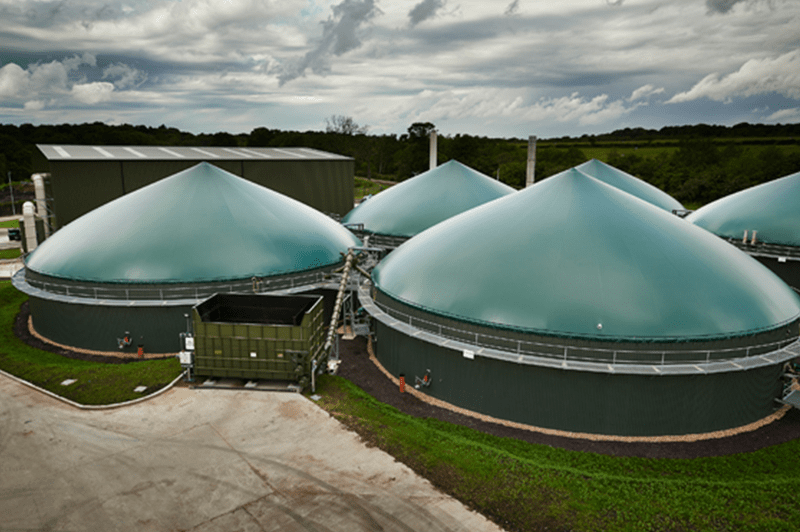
(763, 248)
(571, 353)
(165, 293)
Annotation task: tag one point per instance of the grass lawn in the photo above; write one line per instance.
(10, 253)
(97, 383)
(522, 486)
(9, 223)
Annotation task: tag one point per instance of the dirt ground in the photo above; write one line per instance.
(356, 367)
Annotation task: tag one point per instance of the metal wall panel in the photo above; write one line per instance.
(255, 350)
(97, 327)
(138, 174)
(80, 186)
(325, 185)
(576, 401)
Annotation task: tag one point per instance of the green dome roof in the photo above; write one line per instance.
(772, 209)
(630, 184)
(201, 224)
(425, 200)
(572, 256)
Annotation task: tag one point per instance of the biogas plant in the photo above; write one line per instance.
(584, 303)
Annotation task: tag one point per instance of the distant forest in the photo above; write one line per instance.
(695, 164)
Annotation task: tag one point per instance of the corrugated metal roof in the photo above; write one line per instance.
(772, 209)
(630, 184)
(572, 256)
(201, 224)
(423, 201)
(161, 153)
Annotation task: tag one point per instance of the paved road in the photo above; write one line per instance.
(204, 460)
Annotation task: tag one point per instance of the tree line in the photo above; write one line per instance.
(695, 164)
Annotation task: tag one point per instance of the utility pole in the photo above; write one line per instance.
(11, 189)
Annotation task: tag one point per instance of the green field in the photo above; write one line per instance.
(97, 383)
(9, 223)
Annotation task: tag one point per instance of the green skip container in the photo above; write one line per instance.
(259, 337)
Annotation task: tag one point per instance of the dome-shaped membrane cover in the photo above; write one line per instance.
(572, 256)
(425, 200)
(630, 184)
(772, 209)
(201, 224)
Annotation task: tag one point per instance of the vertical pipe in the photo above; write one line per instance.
(30, 226)
(41, 202)
(530, 173)
(434, 150)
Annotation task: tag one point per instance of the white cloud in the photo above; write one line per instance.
(757, 76)
(93, 93)
(644, 92)
(13, 80)
(125, 76)
(51, 78)
(574, 108)
(34, 105)
(511, 107)
(468, 66)
(785, 115)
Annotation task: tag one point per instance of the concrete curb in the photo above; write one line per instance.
(93, 407)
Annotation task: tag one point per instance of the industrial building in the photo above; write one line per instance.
(128, 273)
(596, 312)
(630, 184)
(396, 214)
(763, 221)
(82, 178)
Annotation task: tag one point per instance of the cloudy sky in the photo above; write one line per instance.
(507, 68)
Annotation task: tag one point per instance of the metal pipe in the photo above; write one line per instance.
(41, 202)
(434, 150)
(30, 226)
(530, 173)
(339, 296)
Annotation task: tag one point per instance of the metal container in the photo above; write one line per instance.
(254, 337)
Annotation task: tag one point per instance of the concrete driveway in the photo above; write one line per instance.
(204, 460)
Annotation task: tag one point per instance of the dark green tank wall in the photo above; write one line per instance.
(577, 401)
(81, 186)
(97, 327)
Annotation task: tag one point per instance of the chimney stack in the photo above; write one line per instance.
(531, 169)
